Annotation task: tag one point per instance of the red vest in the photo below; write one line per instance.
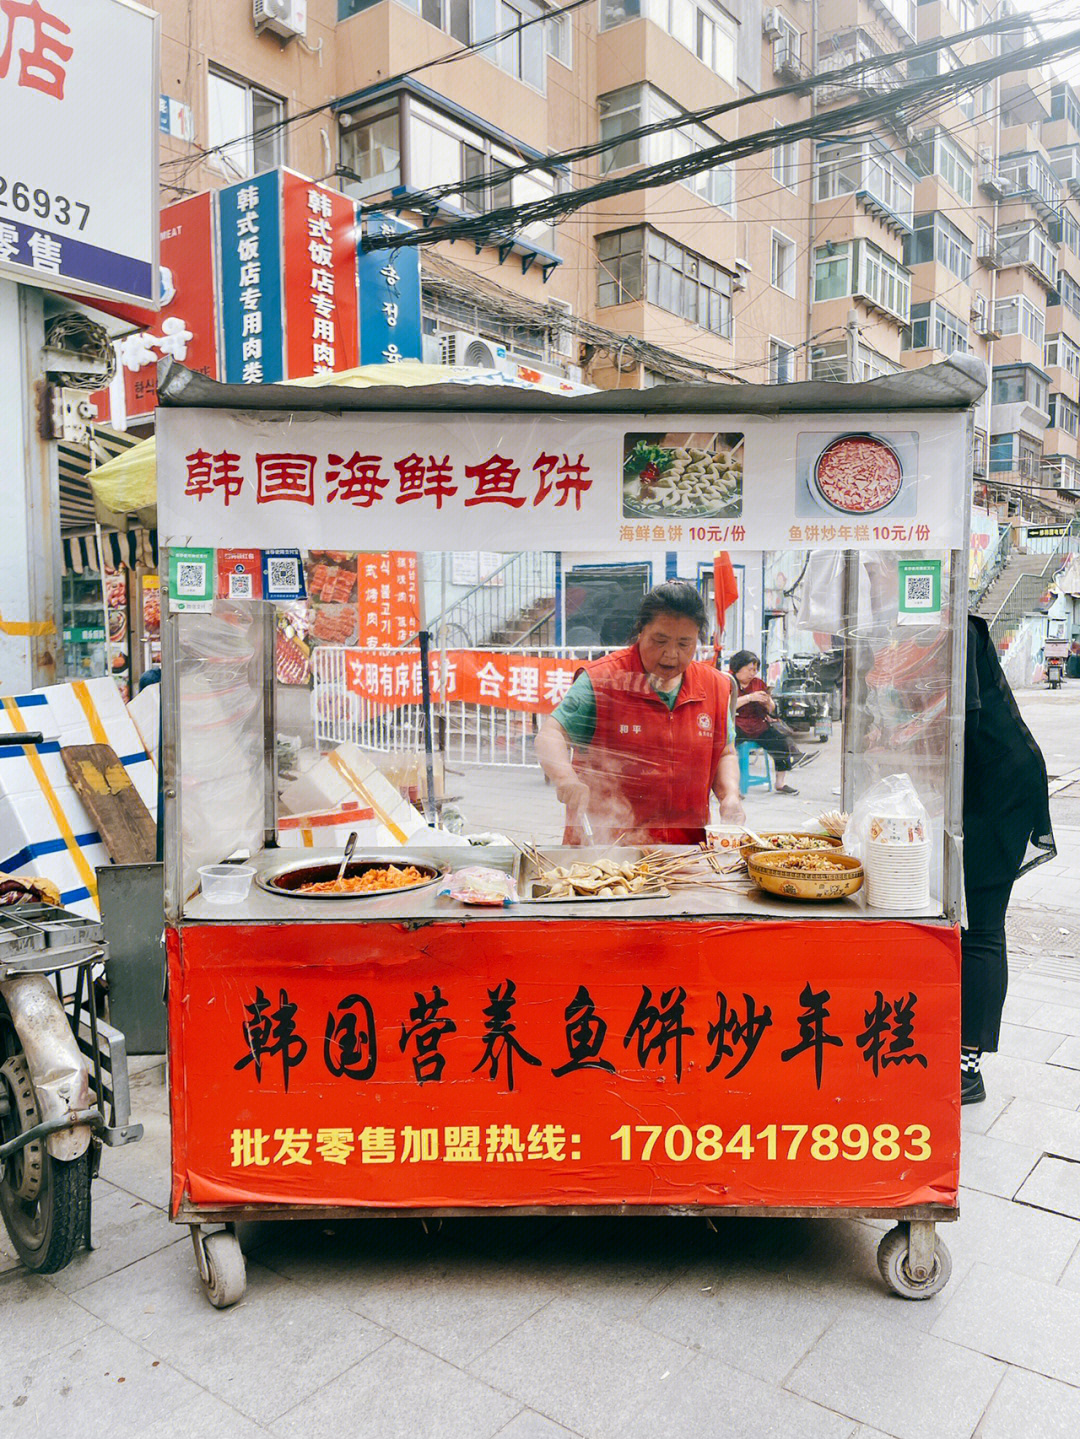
(649, 768)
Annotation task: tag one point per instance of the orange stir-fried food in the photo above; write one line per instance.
(372, 881)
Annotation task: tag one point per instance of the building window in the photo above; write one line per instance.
(1065, 230)
(1067, 293)
(702, 27)
(1001, 453)
(520, 53)
(782, 263)
(942, 156)
(620, 268)
(832, 361)
(635, 106)
(781, 363)
(859, 267)
(559, 36)
(1028, 244)
(1016, 315)
(1020, 385)
(451, 16)
(1064, 415)
(245, 127)
(787, 47)
(785, 162)
(371, 147)
(1029, 173)
(676, 280)
(1065, 106)
(1063, 353)
(865, 167)
(935, 327)
(936, 238)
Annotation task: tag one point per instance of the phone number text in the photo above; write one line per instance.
(707, 1143)
(27, 200)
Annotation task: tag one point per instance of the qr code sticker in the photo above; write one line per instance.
(284, 575)
(240, 587)
(919, 592)
(190, 578)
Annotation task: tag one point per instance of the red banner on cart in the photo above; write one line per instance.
(531, 684)
(508, 1062)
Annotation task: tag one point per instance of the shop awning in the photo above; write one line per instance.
(75, 462)
(126, 549)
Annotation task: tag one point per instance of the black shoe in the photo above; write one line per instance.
(972, 1089)
(786, 789)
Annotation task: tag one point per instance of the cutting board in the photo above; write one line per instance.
(126, 826)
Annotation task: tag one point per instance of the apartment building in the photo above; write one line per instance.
(832, 258)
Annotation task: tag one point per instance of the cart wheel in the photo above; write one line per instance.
(44, 1201)
(892, 1258)
(226, 1272)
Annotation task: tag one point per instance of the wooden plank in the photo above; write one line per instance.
(126, 826)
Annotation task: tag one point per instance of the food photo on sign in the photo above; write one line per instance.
(857, 475)
(682, 475)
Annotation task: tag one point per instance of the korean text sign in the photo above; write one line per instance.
(389, 298)
(779, 1063)
(441, 480)
(78, 146)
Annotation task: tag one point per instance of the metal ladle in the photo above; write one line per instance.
(350, 845)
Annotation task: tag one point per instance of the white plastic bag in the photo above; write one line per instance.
(890, 812)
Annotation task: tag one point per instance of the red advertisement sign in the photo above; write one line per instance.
(500, 1063)
(531, 684)
(239, 575)
(321, 309)
(185, 328)
(388, 600)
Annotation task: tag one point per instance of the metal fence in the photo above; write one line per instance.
(1024, 597)
(511, 607)
(465, 733)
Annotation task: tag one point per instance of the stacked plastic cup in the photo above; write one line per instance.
(897, 864)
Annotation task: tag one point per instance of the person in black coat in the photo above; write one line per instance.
(1006, 831)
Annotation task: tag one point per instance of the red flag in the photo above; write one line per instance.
(725, 592)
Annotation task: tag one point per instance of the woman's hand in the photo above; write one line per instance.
(575, 796)
(731, 809)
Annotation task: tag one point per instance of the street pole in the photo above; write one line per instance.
(31, 645)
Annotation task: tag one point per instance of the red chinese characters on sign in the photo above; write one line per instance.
(321, 304)
(285, 477)
(42, 55)
(645, 1061)
(528, 684)
(207, 474)
(388, 601)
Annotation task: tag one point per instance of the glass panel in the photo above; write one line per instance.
(227, 121)
(267, 113)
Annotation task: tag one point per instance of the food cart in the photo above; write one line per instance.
(712, 1051)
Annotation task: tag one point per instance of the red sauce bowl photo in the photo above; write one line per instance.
(858, 474)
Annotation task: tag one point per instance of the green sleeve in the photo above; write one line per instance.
(577, 712)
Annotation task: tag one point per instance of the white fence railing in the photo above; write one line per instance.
(465, 733)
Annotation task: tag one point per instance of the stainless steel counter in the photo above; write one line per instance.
(422, 906)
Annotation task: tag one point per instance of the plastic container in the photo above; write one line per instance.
(897, 875)
(725, 837)
(226, 883)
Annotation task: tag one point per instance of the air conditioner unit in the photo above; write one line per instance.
(461, 347)
(285, 18)
(772, 24)
(738, 281)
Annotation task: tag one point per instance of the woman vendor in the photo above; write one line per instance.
(755, 709)
(651, 732)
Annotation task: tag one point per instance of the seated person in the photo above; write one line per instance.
(755, 709)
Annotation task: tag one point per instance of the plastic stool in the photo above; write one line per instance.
(746, 779)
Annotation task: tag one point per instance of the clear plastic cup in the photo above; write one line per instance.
(226, 883)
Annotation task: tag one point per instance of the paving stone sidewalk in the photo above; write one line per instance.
(604, 1328)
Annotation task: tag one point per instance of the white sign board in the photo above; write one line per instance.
(78, 147)
(596, 483)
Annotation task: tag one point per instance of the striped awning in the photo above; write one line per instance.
(75, 463)
(125, 549)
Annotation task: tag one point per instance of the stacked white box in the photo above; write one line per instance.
(38, 804)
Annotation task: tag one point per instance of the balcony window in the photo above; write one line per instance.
(785, 162)
(245, 127)
(559, 37)
(936, 238)
(1064, 415)
(626, 110)
(781, 363)
(831, 361)
(1030, 174)
(1065, 230)
(1020, 385)
(1029, 244)
(371, 148)
(699, 25)
(865, 168)
(1065, 106)
(676, 280)
(522, 53)
(935, 327)
(1002, 448)
(787, 47)
(940, 155)
(1062, 353)
(965, 12)
(1016, 315)
(1067, 294)
(862, 268)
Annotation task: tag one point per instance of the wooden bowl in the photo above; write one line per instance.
(773, 873)
(820, 841)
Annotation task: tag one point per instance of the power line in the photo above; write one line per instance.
(505, 221)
